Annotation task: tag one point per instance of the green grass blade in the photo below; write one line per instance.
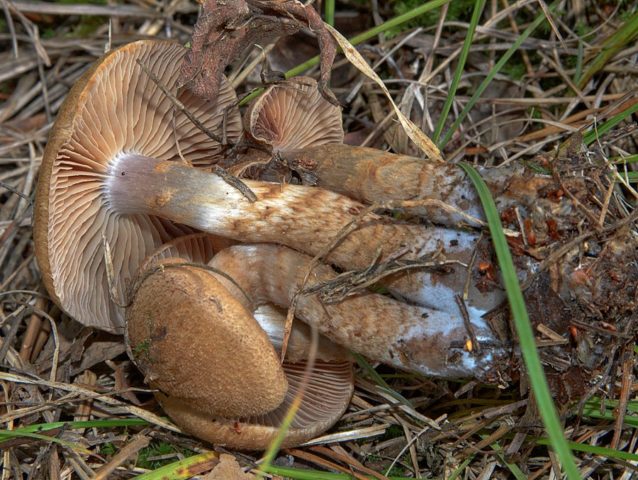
(44, 427)
(492, 73)
(9, 434)
(182, 469)
(516, 471)
(605, 409)
(461, 468)
(465, 51)
(275, 444)
(330, 12)
(357, 39)
(373, 32)
(631, 177)
(378, 379)
(627, 159)
(595, 133)
(601, 451)
(34, 431)
(398, 20)
(622, 37)
(523, 327)
(298, 474)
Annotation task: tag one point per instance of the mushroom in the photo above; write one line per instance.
(111, 170)
(409, 337)
(216, 372)
(288, 116)
(116, 111)
(304, 133)
(293, 115)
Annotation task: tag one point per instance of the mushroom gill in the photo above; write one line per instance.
(114, 110)
(293, 115)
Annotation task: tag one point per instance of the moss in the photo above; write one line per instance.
(515, 68)
(108, 449)
(158, 449)
(86, 27)
(142, 349)
(459, 10)
(393, 431)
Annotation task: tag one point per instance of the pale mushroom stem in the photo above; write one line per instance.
(304, 218)
(412, 338)
(442, 193)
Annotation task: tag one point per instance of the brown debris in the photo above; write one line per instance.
(228, 469)
(226, 29)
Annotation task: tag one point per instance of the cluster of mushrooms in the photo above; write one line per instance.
(136, 236)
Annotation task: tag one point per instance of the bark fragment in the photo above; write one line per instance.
(225, 29)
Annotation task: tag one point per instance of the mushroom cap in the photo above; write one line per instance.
(198, 344)
(112, 110)
(220, 346)
(293, 115)
(326, 398)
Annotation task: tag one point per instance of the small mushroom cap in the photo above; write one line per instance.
(326, 398)
(293, 115)
(197, 344)
(114, 109)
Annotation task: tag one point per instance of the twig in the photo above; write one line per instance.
(179, 105)
(49, 8)
(476, 347)
(351, 282)
(138, 443)
(236, 183)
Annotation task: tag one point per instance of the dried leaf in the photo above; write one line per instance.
(228, 469)
(225, 30)
(416, 135)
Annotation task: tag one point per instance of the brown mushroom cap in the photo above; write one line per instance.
(197, 344)
(293, 115)
(115, 109)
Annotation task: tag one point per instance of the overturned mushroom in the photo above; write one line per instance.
(304, 133)
(408, 337)
(546, 216)
(126, 172)
(116, 111)
(216, 372)
(293, 115)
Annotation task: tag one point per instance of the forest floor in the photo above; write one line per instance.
(538, 78)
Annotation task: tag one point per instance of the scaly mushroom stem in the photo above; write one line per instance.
(408, 337)
(304, 218)
(442, 193)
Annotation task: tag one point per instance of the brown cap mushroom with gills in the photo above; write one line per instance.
(293, 115)
(112, 115)
(289, 116)
(126, 184)
(213, 365)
